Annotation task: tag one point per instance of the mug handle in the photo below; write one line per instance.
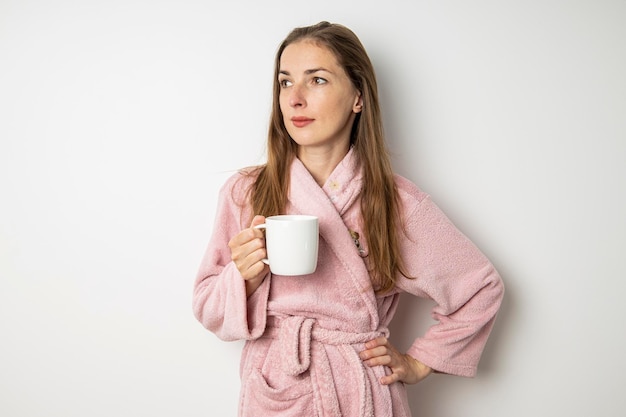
(263, 226)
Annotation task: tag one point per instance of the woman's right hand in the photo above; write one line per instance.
(247, 250)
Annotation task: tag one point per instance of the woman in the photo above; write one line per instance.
(317, 345)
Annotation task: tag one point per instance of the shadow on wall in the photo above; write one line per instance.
(413, 319)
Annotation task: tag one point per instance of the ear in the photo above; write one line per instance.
(358, 104)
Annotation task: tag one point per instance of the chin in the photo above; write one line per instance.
(300, 141)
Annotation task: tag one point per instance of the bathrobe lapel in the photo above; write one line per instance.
(307, 197)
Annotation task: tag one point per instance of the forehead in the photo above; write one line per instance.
(307, 54)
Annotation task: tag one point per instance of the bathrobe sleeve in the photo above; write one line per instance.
(449, 269)
(219, 297)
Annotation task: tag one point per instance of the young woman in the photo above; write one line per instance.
(318, 345)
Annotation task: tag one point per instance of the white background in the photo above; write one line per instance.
(120, 120)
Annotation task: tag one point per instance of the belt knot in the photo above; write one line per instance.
(295, 336)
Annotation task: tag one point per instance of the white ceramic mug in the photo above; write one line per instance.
(291, 242)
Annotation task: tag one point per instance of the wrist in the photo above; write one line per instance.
(421, 370)
(253, 284)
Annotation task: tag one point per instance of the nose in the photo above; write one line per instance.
(296, 96)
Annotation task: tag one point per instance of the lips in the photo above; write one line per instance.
(301, 121)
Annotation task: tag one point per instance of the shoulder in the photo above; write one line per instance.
(240, 183)
(417, 208)
(236, 190)
(234, 197)
(410, 194)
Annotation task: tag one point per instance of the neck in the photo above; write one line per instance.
(321, 162)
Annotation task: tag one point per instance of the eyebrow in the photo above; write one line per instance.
(308, 72)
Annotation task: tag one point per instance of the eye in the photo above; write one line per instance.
(284, 83)
(319, 80)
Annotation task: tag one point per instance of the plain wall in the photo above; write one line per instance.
(120, 120)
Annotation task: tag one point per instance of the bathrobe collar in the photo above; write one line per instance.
(329, 203)
(344, 184)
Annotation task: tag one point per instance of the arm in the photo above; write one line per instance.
(467, 289)
(231, 303)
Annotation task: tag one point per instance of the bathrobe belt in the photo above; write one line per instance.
(301, 341)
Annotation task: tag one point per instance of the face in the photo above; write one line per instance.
(318, 101)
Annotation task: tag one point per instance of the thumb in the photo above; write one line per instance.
(258, 219)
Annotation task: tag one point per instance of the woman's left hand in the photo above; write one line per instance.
(404, 368)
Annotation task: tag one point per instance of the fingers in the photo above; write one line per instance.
(377, 352)
(248, 249)
(404, 368)
(257, 220)
(379, 341)
(246, 235)
(390, 379)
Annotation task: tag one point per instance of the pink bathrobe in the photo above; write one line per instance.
(304, 333)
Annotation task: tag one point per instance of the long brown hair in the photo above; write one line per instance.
(379, 197)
